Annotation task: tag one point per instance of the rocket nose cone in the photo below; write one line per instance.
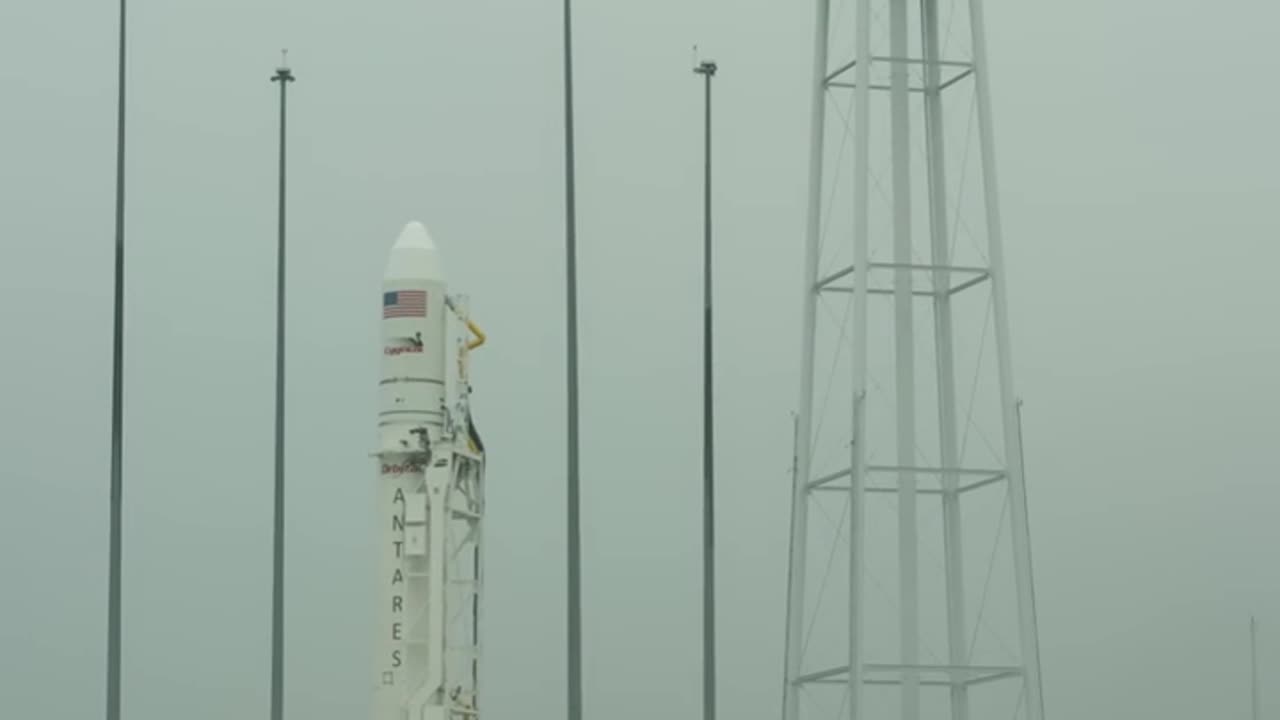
(414, 255)
(415, 235)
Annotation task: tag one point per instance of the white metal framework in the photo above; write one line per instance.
(905, 319)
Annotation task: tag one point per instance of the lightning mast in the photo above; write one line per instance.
(284, 76)
(906, 330)
(115, 540)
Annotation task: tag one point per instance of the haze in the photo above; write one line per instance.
(1138, 162)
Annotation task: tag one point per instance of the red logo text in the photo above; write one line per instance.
(400, 468)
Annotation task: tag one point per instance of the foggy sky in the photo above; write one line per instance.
(1138, 165)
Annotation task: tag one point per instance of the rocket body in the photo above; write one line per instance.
(412, 385)
(428, 475)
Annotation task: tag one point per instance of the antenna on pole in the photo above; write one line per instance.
(284, 76)
(707, 69)
(117, 411)
(571, 318)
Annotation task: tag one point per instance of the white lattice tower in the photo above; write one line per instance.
(910, 588)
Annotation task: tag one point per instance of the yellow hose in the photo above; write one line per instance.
(479, 338)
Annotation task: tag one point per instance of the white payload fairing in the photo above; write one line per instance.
(430, 501)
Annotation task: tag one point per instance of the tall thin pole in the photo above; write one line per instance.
(858, 454)
(284, 76)
(944, 344)
(799, 531)
(117, 411)
(1018, 521)
(708, 70)
(1253, 651)
(571, 363)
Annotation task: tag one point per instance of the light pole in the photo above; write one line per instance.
(117, 411)
(284, 76)
(707, 69)
(571, 331)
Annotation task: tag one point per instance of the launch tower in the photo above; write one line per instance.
(910, 587)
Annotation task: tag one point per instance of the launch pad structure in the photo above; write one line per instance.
(910, 582)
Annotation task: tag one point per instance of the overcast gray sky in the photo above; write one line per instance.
(1138, 161)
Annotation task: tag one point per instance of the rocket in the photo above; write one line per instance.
(430, 470)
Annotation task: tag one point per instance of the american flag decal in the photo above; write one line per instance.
(404, 303)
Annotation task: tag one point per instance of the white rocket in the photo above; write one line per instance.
(430, 501)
